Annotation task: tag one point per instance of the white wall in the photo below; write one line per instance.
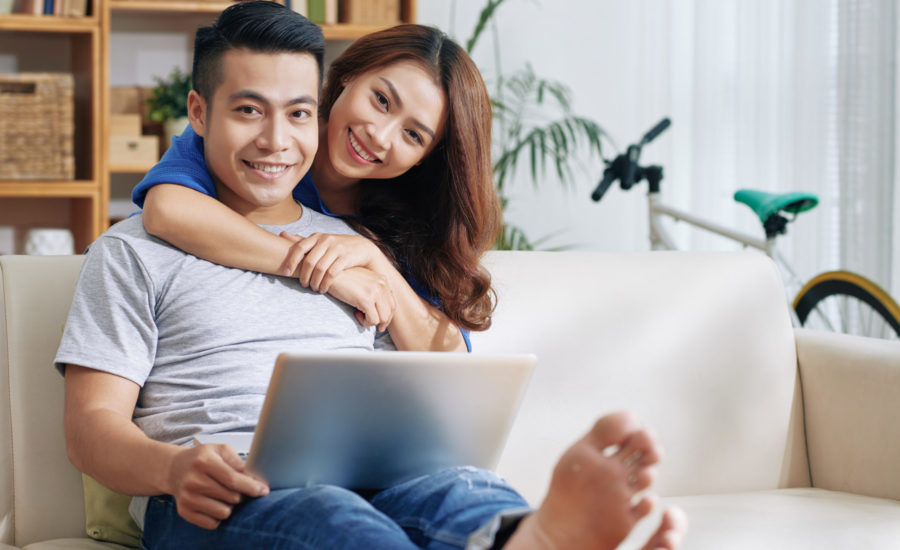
(617, 66)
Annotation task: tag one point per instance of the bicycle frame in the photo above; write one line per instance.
(661, 240)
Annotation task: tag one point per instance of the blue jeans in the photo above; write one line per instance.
(437, 511)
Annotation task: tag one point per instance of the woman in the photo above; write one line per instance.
(421, 190)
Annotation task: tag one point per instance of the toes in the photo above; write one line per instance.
(640, 449)
(613, 429)
(671, 531)
(642, 479)
(643, 506)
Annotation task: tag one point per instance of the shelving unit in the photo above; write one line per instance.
(80, 204)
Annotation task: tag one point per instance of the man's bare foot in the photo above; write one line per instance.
(593, 501)
(671, 530)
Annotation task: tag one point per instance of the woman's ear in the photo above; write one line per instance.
(197, 112)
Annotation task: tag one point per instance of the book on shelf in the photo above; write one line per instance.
(298, 6)
(315, 11)
(323, 12)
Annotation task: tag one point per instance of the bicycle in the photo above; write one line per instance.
(839, 301)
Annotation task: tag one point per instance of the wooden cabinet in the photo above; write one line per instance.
(79, 204)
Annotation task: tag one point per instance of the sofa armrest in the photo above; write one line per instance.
(852, 413)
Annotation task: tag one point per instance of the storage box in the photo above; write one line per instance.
(370, 12)
(37, 126)
(125, 125)
(133, 151)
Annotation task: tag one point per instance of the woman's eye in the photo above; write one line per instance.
(381, 99)
(413, 135)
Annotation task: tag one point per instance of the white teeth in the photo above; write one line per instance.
(359, 150)
(268, 168)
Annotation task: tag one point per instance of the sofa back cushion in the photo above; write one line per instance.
(698, 345)
(41, 490)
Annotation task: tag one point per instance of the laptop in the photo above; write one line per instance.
(366, 420)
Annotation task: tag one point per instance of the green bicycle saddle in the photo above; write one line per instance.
(765, 204)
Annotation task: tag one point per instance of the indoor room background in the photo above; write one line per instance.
(778, 95)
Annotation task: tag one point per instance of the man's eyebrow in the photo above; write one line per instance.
(396, 97)
(248, 94)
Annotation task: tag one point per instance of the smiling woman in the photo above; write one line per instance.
(404, 155)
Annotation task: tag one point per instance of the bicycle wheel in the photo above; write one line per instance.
(841, 301)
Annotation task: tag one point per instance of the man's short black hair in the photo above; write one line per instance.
(257, 26)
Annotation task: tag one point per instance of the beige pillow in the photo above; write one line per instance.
(106, 515)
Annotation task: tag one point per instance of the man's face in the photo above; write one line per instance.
(260, 131)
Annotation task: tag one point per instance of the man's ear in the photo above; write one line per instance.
(197, 111)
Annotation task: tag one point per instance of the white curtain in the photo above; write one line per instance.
(788, 95)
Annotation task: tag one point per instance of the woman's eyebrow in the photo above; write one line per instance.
(396, 97)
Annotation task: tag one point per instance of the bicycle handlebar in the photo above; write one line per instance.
(625, 166)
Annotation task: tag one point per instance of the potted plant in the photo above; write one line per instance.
(168, 102)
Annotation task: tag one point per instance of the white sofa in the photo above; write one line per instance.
(774, 438)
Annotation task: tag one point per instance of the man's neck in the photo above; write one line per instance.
(285, 212)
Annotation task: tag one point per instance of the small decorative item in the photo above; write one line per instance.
(168, 102)
(49, 242)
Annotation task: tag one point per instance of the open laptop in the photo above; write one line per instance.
(368, 420)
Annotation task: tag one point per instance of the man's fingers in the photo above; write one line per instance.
(203, 511)
(233, 479)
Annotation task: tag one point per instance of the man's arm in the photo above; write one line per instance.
(103, 442)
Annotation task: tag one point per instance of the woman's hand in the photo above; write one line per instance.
(369, 293)
(318, 259)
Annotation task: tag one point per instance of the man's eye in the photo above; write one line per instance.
(246, 109)
(301, 114)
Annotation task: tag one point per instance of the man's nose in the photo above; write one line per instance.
(274, 135)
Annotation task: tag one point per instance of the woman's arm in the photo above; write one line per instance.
(417, 325)
(206, 228)
(199, 224)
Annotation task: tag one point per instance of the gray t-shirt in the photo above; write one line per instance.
(199, 338)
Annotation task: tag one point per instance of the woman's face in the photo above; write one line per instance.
(385, 122)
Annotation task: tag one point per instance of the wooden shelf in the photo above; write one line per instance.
(173, 6)
(346, 31)
(340, 31)
(130, 169)
(48, 23)
(48, 189)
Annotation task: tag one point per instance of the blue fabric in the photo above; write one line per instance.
(436, 512)
(184, 164)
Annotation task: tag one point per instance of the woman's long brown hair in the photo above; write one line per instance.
(438, 218)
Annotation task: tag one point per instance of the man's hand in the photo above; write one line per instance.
(207, 481)
(369, 293)
(317, 260)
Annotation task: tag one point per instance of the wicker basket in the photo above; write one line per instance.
(36, 126)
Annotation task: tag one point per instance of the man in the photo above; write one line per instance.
(160, 346)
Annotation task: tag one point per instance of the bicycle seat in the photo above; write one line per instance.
(765, 204)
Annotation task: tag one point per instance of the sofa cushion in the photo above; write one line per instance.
(106, 515)
(795, 519)
(698, 345)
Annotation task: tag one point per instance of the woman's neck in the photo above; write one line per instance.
(339, 193)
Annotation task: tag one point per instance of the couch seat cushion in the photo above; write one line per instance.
(74, 544)
(796, 519)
